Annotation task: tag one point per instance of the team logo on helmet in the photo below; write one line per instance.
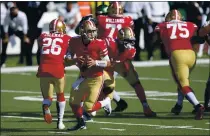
(57, 26)
(115, 9)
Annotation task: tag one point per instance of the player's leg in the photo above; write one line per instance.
(61, 102)
(76, 99)
(108, 88)
(46, 86)
(181, 68)
(207, 96)
(121, 103)
(134, 81)
(94, 87)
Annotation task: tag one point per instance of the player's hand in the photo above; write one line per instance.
(80, 60)
(6, 39)
(90, 62)
(26, 39)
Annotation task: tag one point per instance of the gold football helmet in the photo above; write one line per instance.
(115, 9)
(174, 15)
(125, 38)
(126, 33)
(89, 30)
(57, 26)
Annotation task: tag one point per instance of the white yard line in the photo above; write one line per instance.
(136, 64)
(207, 123)
(54, 132)
(118, 77)
(127, 124)
(113, 129)
(39, 98)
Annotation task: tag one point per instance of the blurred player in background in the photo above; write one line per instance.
(93, 58)
(176, 36)
(53, 47)
(205, 32)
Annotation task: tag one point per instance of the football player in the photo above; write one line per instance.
(111, 23)
(94, 58)
(110, 20)
(205, 32)
(122, 50)
(176, 36)
(53, 46)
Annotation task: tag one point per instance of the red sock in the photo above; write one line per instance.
(60, 97)
(140, 92)
(96, 107)
(77, 110)
(186, 89)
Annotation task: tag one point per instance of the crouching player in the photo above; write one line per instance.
(51, 69)
(91, 58)
(176, 36)
(124, 48)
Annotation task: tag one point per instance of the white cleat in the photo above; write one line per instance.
(60, 126)
(108, 108)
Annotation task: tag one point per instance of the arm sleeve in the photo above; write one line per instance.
(127, 54)
(25, 23)
(6, 23)
(147, 10)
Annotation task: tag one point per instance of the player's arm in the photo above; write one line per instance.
(205, 29)
(69, 58)
(104, 58)
(128, 54)
(197, 38)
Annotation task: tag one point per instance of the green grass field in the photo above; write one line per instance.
(19, 116)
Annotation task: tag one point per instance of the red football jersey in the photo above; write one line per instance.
(114, 53)
(53, 48)
(176, 34)
(96, 49)
(109, 26)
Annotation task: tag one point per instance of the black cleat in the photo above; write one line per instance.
(176, 109)
(199, 112)
(80, 125)
(149, 113)
(87, 117)
(121, 106)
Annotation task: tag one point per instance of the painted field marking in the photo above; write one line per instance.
(118, 77)
(127, 124)
(135, 63)
(131, 95)
(54, 132)
(113, 129)
(207, 123)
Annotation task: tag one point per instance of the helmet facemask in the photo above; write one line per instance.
(88, 31)
(126, 39)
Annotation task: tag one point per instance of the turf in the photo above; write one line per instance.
(23, 117)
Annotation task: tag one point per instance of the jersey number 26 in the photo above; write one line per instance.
(54, 49)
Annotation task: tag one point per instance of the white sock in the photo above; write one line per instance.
(191, 98)
(60, 110)
(200, 52)
(180, 98)
(116, 97)
(105, 101)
